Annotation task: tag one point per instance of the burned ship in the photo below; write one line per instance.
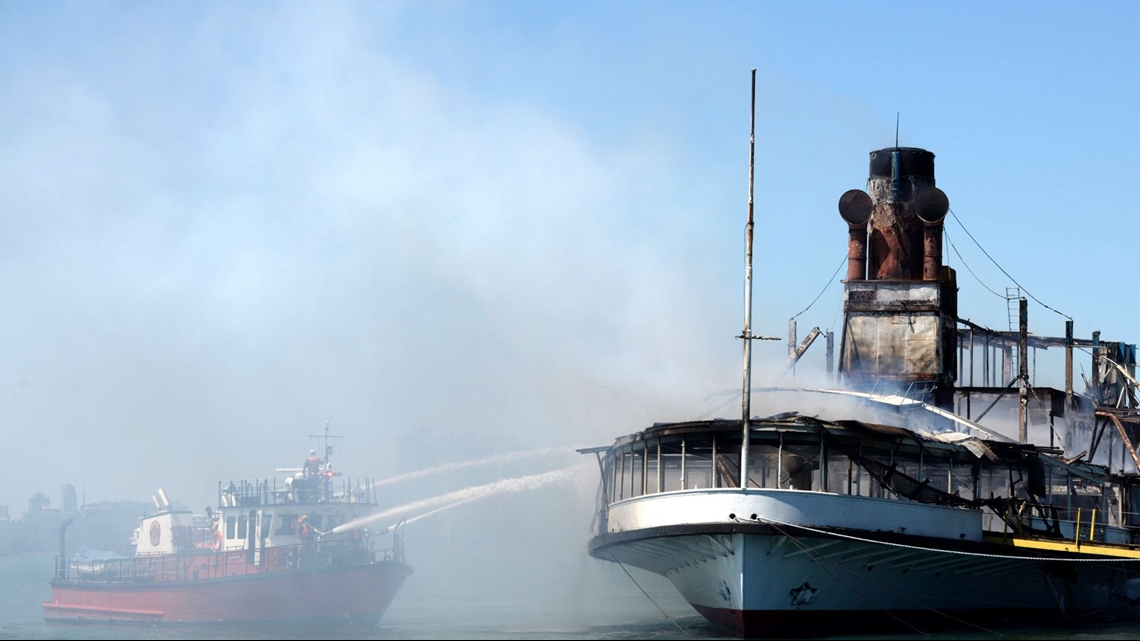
(955, 490)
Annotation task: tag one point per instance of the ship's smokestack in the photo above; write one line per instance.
(900, 303)
(855, 207)
(902, 243)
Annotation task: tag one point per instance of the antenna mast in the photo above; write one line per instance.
(746, 395)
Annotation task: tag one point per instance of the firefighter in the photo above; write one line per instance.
(312, 465)
(310, 483)
(305, 533)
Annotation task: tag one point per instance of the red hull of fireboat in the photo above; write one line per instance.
(356, 595)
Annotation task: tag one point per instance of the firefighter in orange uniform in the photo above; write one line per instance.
(305, 533)
(312, 465)
(310, 486)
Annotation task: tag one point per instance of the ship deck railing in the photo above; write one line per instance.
(317, 489)
(205, 564)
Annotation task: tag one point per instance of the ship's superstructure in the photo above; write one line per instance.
(952, 489)
(267, 553)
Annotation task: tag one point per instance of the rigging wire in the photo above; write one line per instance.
(817, 556)
(834, 318)
(967, 266)
(1037, 300)
(811, 554)
(671, 619)
(920, 548)
(829, 282)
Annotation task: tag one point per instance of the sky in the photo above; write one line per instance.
(224, 224)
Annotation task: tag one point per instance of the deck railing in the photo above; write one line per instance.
(316, 489)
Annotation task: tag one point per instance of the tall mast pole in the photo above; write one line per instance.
(746, 395)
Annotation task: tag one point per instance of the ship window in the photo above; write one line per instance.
(315, 520)
(763, 464)
(652, 480)
(285, 524)
(241, 530)
(333, 522)
(799, 466)
(862, 483)
(698, 462)
(611, 477)
(873, 463)
(627, 474)
(962, 479)
(636, 471)
(617, 477)
(671, 464)
(994, 482)
(908, 462)
(726, 464)
(266, 524)
(840, 475)
(936, 470)
(231, 522)
(1112, 495)
(1086, 496)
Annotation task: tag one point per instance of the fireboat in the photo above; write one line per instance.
(267, 553)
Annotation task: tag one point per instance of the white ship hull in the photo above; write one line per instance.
(758, 578)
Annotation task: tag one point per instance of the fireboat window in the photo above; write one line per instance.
(242, 527)
(285, 525)
(231, 526)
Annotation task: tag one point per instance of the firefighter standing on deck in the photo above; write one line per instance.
(308, 550)
(312, 465)
(310, 485)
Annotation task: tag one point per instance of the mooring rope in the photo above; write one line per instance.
(809, 552)
(671, 619)
(1009, 557)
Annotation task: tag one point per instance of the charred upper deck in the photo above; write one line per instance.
(900, 303)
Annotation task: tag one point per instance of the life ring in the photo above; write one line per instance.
(217, 540)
